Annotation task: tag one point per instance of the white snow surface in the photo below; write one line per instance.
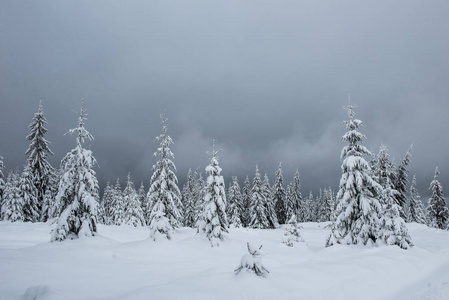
(122, 263)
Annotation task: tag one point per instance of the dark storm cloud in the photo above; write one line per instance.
(267, 79)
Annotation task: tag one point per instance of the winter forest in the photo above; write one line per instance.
(225, 150)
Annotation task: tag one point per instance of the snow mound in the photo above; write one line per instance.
(35, 292)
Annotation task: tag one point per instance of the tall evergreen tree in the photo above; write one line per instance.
(133, 209)
(283, 209)
(269, 203)
(299, 209)
(141, 195)
(108, 199)
(12, 206)
(215, 218)
(357, 212)
(2, 183)
(246, 199)
(39, 170)
(327, 206)
(392, 230)
(401, 182)
(188, 193)
(258, 208)
(78, 189)
(235, 203)
(28, 193)
(416, 211)
(309, 211)
(164, 194)
(437, 210)
(118, 205)
(290, 199)
(199, 201)
(50, 208)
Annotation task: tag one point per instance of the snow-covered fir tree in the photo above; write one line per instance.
(215, 219)
(291, 232)
(28, 193)
(133, 209)
(437, 210)
(269, 202)
(298, 197)
(401, 183)
(78, 189)
(258, 206)
(142, 196)
(199, 195)
(118, 205)
(2, 183)
(246, 200)
(279, 198)
(108, 198)
(164, 195)
(393, 230)
(235, 203)
(290, 198)
(357, 212)
(188, 200)
(12, 205)
(40, 171)
(309, 211)
(416, 210)
(50, 207)
(327, 206)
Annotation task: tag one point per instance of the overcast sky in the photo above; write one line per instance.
(266, 79)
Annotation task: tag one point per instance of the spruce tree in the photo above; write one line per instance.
(215, 219)
(258, 208)
(309, 211)
(199, 202)
(133, 210)
(291, 232)
(118, 205)
(357, 212)
(164, 195)
(108, 199)
(188, 194)
(416, 211)
(50, 208)
(12, 206)
(2, 183)
(142, 196)
(299, 209)
(269, 203)
(246, 199)
(393, 230)
(283, 209)
(39, 170)
(78, 189)
(235, 203)
(401, 182)
(437, 210)
(327, 206)
(290, 199)
(28, 193)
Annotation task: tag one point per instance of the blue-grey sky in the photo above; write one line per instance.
(266, 79)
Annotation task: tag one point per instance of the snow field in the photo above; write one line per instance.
(122, 263)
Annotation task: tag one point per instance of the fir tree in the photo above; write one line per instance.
(357, 212)
(118, 205)
(282, 208)
(12, 206)
(215, 218)
(309, 211)
(142, 196)
(269, 203)
(2, 183)
(78, 189)
(164, 195)
(39, 170)
(246, 199)
(199, 195)
(290, 199)
(291, 232)
(235, 203)
(258, 207)
(28, 193)
(50, 207)
(400, 185)
(416, 212)
(393, 230)
(188, 194)
(437, 210)
(108, 199)
(327, 206)
(299, 209)
(133, 209)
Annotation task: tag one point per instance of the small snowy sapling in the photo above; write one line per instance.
(252, 262)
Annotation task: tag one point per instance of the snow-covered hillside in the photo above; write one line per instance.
(121, 263)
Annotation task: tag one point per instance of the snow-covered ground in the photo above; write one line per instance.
(121, 263)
